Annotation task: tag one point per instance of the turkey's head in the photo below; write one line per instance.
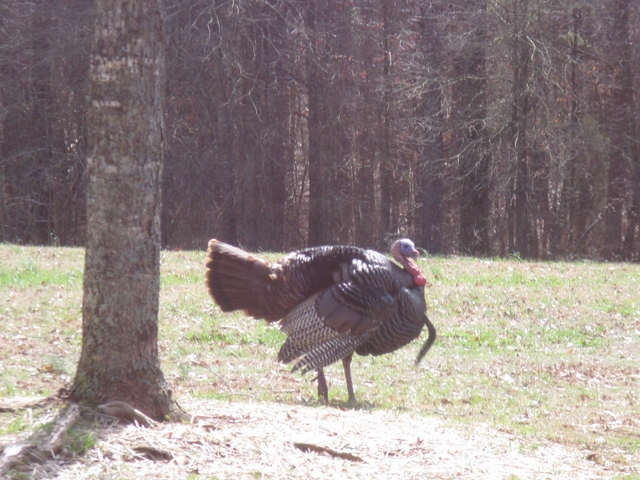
(403, 251)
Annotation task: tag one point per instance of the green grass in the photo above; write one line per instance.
(79, 441)
(29, 274)
(15, 425)
(547, 351)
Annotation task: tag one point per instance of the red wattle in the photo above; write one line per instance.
(413, 269)
(419, 279)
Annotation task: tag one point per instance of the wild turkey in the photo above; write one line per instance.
(331, 301)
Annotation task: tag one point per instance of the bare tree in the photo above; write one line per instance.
(472, 126)
(624, 158)
(43, 79)
(430, 123)
(520, 230)
(470, 68)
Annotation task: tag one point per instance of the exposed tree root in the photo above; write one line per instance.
(20, 455)
(43, 446)
(124, 411)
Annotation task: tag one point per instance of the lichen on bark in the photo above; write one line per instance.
(119, 359)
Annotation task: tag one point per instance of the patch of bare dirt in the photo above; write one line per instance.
(258, 440)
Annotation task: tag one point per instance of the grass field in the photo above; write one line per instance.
(543, 351)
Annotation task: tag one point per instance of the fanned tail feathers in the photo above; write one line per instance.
(238, 280)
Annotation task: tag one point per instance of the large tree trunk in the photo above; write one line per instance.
(119, 359)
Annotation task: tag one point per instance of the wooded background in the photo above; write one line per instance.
(482, 127)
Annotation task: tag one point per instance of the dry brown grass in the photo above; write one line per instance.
(246, 440)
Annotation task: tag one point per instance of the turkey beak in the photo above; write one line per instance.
(415, 254)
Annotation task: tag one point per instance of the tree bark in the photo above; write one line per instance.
(325, 150)
(365, 202)
(119, 358)
(386, 168)
(475, 156)
(521, 56)
(431, 195)
(317, 226)
(278, 155)
(624, 152)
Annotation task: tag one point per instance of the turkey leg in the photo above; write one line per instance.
(346, 363)
(323, 390)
